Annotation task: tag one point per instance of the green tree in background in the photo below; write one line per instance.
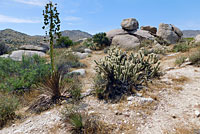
(101, 40)
(52, 24)
(64, 42)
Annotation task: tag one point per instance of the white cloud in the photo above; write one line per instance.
(32, 2)
(72, 18)
(8, 19)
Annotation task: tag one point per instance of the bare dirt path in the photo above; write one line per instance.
(176, 110)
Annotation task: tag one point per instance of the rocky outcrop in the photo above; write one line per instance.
(142, 34)
(169, 33)
(126, 41)
(17, 55)
(115, 32)
(130, 24)
(152, 30)
(35, 48)
(129, 36)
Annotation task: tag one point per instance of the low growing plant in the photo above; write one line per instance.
(181, 47)
(180, 60)
(195, 57)
(123, 72)
(8, 106)
(21, 76)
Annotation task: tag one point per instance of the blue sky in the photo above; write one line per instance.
(99, 15)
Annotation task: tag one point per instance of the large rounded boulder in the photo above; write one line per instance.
(169, 33)
(130, 24)
(115, 32)
(126, 41)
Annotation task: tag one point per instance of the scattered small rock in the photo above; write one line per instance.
(87, 50)
(130, 98)
(82, 72)
(81, 55)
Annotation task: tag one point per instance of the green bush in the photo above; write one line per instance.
(68, 60)
(101, 40)
(20, 76)
(3, 48)
(195, 57)
(63, 41)
(121, 72)
(181, 47)
(180, 60)
(8, 105)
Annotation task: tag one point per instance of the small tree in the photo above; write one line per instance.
(64, 42)
(101, 40)
(52, 24)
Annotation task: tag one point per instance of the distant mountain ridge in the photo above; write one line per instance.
(15, 38)
(190, 33)
(76, 34)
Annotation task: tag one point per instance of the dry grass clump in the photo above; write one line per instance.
(82, 123)
(180, 80)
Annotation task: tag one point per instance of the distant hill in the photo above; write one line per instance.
(190, 33)
(76, 34)
(15, 38)
(12, 37)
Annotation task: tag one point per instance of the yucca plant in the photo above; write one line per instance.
(54, 85)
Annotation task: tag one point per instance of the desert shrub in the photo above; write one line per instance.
(100, 40)
(21, 76)
(122, 72)
(195, 57)
(88, 43)
(161, 41)
(3, 48)
(181, 47)
(180, 60)
(8, 106)
(82, 123)
(68, 60)
(75, 89)
(63, 42)
(79, 48)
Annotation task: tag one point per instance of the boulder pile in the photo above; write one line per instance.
(129, 36)
(27, 50)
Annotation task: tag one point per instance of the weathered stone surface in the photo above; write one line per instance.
(80, 71)
(166, 32)
(177, 30)
(34, 48)
(81, 55)
(115, 32)
(130, 24)
(144, 34)
(152, 30)
(87, 50)
(17, 55)
(197, 38)
(126, 41)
